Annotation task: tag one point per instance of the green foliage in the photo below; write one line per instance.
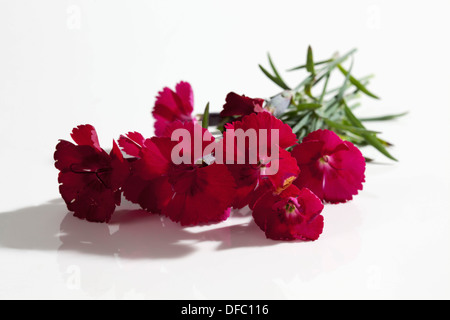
(308, 112)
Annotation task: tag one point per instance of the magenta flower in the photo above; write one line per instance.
(292, 214)
(171, 106)
(330, 167)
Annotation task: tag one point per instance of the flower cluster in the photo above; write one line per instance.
(194, 178)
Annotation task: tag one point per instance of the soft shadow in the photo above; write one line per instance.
(239, 236)
(32, 228)
(131, 234)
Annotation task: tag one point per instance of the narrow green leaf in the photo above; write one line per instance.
(307, 81)
(356, 83)
(344, 127)
(302, 122)
(288, 114)
(308, 106)
(277, 75)
(344, 86)
(354, 106)
(355, 139)
(322, 72)
(324, 90)
(274, 79)
(385, 143)
(376, 143)
(351, 117)
(337, 61)
(310, 62)
(386, 117)
(205, 119)
(364, 80)
(318, 124)
(308, 92)
(315, 63)
(370, 138)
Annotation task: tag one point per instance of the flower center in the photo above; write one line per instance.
(289, 210)
(324, 159)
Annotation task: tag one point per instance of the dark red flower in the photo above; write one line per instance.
(172, 105)
(90, 179)
(237, 105)
(292, 214)
(250, 173)
(189, 193)
(330, 167)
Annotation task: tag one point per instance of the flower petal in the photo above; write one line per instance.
(311, 177)
(198, 138)
(155, 158)
(171, 106)
(345, 175)
(186, 95)
(86, 135)
(330, 139)
(265, 120)
(287, 171)
(132, 143)
(237, 105)
(87, 197)
(120, 168)
(202, 196)
(308, 152)
(90, 179)
(84, 189)
(333, 169)
(246, 177)
(292, 215)
(152, 195)
(312, 225)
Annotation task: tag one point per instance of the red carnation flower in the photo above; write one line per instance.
(265, 120)
(172, 105)
(250, 176)
(90, 179)
(190, 193)
(237, 105)
(290, 215)
(330, 167)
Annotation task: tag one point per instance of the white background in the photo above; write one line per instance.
(64, 63)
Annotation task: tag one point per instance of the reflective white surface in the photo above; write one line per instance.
(102, 62)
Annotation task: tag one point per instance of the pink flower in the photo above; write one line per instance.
(330, 167)
(191, 194)
(237, 105)
(90, 179)
(171, 106)
(292, 214)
